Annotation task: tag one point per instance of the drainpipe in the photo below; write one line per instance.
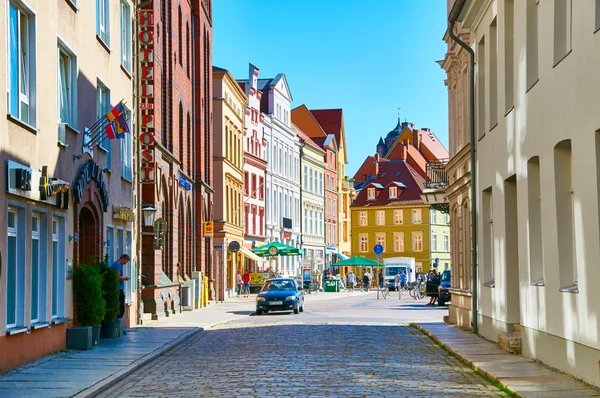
(451, 22)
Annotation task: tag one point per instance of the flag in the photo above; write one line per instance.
(117, 122)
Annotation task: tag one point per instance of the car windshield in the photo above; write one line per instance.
(278, 285)
(392, 271)
(446, 276)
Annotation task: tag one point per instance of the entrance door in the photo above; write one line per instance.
(88, 235)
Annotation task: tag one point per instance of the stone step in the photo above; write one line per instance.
(510, 342)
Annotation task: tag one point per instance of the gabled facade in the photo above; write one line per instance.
(229, 104)
(283, 170)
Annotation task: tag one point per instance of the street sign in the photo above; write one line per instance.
(378, 249)
(234, 246)
(208, 228)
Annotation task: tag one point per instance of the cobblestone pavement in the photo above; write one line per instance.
(283, 356)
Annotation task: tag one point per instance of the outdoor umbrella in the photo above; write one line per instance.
(276, 249)
(357, 261)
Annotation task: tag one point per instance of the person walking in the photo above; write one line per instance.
(380, 279)
(366, 281)
(403, 280)
(397, 285)
(118, 266)
(351, 281)
(239, 282)
(246, 280)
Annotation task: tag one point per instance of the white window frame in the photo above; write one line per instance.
(71, 119)
(393, 192)
(129, 268)
(417, 239)
(416, 216)
(362, 218)
(380, 239)
(433, 242)
(39, 234)
(398, 242)
(13, 232)
(446, 243)
(110, 239)
(125, 19)
(371, 193)
(127, 151)
(433, 217)
(380, 217)
(102, 107)
(398, 217)
(103, 21)
(26, 68)
(363, 243)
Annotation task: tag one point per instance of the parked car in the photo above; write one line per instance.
(280, 294)
(444, 293)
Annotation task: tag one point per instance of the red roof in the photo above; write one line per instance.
(390, 172)
(331, 121)
(305, 138)
(434, 145)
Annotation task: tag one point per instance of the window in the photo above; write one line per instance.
(102, 107)
(261, 188)
(531, 52)
(67, 88)
(433, 217)
(380, 239)
(493, 91)
(534, 226)
(38, 268)
(446, 219)
(371, 193)
(509, 54)
(416, 216)
(102, 21)
(310, 178)
(125, 35)
(253, 185)
(488, 235)
(362, 218)
(417, 238)
(129, 270)
(433, 243)
(246, 184)
(597, 15)
(446, 243)
(58, 267)
(481, 87)
(305, 177)
(21, 64)
(393, 192)
(127, 152)
(180, 32)
(363, 243)
(380, 217)
(15, 277)
(398, 219)
(398, 241)
(110, 244)
(320, 183)
(562, 29)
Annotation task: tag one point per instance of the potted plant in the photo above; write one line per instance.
(112, 326)
(90, 308)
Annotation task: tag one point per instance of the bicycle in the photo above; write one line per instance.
(417, 290)
(385, 292)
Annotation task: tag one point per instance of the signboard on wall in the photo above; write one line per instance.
(146, 94)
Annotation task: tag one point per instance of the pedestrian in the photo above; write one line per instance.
(118, 266)
(380, 279)
(432, 286)
(366, 281)
(351, 280)
(239, 282)
(403, 280)
(246, 279)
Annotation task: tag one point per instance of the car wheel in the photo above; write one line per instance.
(296, 311)
(302, 308)
(441, 303)
(259, 312)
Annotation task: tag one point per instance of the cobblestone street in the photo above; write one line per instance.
(310, 354)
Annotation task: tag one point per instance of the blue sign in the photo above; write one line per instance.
(378, 249)
(184, 183)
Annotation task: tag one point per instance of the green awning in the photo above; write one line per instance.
(357, 261)
(276, 249)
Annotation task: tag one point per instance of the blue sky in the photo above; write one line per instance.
(366, 57)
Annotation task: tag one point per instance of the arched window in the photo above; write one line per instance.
(189, 145)
(181, 141)
(180, 38)
(187, 47)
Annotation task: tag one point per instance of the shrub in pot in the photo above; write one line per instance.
(110, 291)
(90, 307)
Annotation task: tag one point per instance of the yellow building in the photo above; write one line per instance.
(229, 104)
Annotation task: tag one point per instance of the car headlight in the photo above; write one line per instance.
(290, 298)
(260, 298)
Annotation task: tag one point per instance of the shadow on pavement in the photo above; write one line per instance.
(241, 312)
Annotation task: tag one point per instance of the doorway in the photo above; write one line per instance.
(88, 235)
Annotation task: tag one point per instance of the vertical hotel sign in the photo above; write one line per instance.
(146, 94)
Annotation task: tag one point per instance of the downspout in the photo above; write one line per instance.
(468, 49)
(195, 185)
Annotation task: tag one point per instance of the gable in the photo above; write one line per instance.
(305, 120)
(281, 85)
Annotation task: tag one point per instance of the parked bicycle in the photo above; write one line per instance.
(416, 290)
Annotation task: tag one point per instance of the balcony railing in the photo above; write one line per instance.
(437, 176)
(348, 183)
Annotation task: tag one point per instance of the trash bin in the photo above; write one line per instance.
(186, 296)
(332, 285)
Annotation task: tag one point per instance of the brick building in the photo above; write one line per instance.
(175, 48)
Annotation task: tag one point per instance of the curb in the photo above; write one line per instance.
(104, 384)
(464, 360)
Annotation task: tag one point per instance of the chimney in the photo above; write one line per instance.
(376, 166)
(427, 129)
(404, 151)
(417, 139)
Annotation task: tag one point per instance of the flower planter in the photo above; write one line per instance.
(113, 329)
(79, 338)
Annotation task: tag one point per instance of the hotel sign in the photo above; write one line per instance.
(146, 94)
(37, 185)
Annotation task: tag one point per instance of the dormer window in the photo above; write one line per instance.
(393, 192)
(371, 193)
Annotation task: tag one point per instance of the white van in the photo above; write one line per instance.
(391, 267)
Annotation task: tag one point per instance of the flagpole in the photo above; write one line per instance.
(101, 135)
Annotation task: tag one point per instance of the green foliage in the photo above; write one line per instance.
(87, 285)
(110, 290)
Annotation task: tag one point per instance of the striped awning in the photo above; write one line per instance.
(342, 256)
(250, 255)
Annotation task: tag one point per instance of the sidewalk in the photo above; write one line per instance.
(87, 373)
(523, 376)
